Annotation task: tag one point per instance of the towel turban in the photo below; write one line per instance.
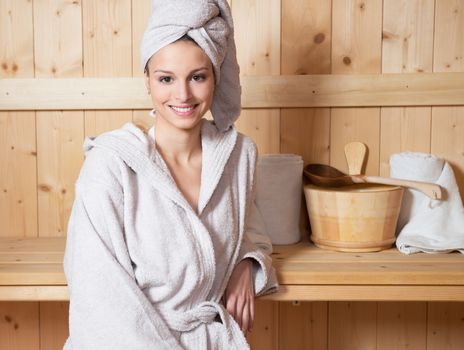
(209, 24)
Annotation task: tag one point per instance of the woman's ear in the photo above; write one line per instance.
(147, 81)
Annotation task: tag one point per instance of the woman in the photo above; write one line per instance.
(159, 252)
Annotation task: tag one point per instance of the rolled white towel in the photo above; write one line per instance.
(278, 195)
(428, 225)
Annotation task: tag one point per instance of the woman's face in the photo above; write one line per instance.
(181, 82)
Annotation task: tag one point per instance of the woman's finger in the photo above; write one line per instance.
(252, 313)
(246, 317)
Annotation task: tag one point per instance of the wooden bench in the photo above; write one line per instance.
(31, 270)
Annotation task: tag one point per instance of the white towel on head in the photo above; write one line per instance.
(278, 195)
(427, 225)
(209, 23)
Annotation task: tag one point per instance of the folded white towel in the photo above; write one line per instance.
(427, 225)
(278, 195)
(209, 23)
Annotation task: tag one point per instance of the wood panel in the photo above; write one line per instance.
(448, 122)
(265, 332)
(107, 36)
(407, 47)
(402, 326)
(303, 325)
(19, 326)
(352, 325)
(257, 35)
(356, 48)
(445, 328)
(53, 325)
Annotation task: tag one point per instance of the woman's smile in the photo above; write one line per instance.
(184, 111)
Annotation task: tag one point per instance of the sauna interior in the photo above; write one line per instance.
(41, 150)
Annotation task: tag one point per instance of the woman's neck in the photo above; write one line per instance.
(180, 146)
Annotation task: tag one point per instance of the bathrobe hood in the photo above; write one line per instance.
(146, 271)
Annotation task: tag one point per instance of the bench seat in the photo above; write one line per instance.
(31, 270)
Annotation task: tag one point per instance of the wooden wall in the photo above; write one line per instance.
(41, 152)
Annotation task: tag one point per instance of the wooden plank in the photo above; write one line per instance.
(445, 327)
(16, 55)
(402, 325)
(32, 245)
(57, 38)
(60, 155)
(407, 47)
(53, 325)
(285, 293)
(19, 326)
(107, 32)
(352, 325)
(353, 124)
(257, 35)
(141, 10)
(303, 325)
(265, 332)
(424, 89)
(18, 164)
(448, 122)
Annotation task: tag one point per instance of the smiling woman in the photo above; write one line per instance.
(158, 253)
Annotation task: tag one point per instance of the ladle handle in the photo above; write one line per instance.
(431, 190)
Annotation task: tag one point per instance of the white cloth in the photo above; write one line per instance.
(144, 270)
(209, 23)
(278, 195)
(428, 225)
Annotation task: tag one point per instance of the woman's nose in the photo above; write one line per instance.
(183, 92)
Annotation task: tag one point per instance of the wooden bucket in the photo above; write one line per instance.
(358, 218)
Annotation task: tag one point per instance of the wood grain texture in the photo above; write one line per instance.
(402, 325)
(448, 122)
(57, 38)
(407, 47)
(53, 325)
(19, 326)
(60, 156)
(303, 325)
(18, 174)
(265, 333)
(107, 36)
(141, 10)
(16, 36)
(352, 325)
(257, 35)
(445, 327)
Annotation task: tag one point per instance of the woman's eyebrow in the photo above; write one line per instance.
(169, 72)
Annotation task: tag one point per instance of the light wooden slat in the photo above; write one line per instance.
(34, 293)
(53, 325)
(286, 293)
(303, 325)
(14, 245)
(57, 38)
(352, 325)
(445, 329)
(401, 325)
(141, 10)
(18, 169)
(16, 33)
(107, 53)
(407, 48)
(434, 89)
(265, 332)
(448, 122)
(19, 326)
(257, 35)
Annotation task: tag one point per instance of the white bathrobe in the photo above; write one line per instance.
(145, 271)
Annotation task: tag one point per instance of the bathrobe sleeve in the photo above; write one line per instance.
(107, 308)
(256, 243)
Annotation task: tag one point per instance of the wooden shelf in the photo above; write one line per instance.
(31, 269)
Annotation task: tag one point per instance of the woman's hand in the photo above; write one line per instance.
(239, 295)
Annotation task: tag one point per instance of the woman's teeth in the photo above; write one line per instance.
(182, 109)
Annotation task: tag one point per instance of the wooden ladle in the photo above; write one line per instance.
(327, 176)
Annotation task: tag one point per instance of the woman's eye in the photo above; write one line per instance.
(165, 80)
(198, 77)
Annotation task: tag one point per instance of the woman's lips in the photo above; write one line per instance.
(184, 111)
